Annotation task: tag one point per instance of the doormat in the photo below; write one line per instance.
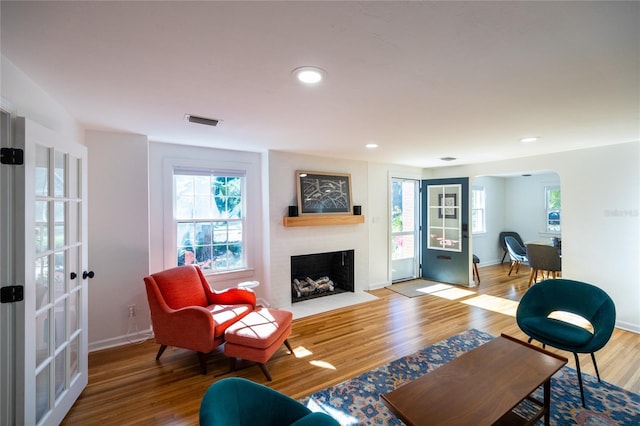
(419, 287)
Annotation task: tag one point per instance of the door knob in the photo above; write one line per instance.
(89, 274)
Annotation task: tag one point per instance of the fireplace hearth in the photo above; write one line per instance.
(321, 274)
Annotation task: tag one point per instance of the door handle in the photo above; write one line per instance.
(73, 275)
(89, 274)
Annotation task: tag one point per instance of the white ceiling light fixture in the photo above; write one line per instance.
(371, 145)
(309, 75)
(529, 139)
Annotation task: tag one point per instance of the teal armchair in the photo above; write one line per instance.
(585, 300)
(235, 401)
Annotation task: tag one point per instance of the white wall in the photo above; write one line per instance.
(486, 245)
(600, 217)
(118, 236)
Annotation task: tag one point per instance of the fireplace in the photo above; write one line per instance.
(321, 274)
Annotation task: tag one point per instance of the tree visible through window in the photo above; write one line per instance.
(478, 210)
(553, 205)
(209, 219)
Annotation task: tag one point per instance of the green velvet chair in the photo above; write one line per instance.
(238, 402)
(585, 300)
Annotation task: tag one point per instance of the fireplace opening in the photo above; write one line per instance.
(321, 274)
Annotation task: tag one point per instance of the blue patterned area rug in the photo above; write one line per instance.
(357, 401)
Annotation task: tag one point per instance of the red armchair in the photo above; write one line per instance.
(187, 313)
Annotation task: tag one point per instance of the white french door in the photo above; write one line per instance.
(405, 229)
(49, 243)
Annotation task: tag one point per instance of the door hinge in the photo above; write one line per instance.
(13, 156)
(11, 294)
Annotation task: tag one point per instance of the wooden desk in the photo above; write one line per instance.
(480, 387)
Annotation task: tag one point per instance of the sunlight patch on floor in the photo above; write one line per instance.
(301, 352)
(341, 416)
(494, 304)
(430, 289)
(453, 293)
(323, 364)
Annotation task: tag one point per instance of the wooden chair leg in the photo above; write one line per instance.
(531, 277)
(203, 363)
(286, 343)
(503, 256)
(264, 369)
(160, 351)
(510, 269)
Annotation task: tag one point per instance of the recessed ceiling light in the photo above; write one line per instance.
(309, 75)
(448, 158)
(529, 139)
(371, 145)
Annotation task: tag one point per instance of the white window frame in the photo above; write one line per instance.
(482, 208)
(250, 204)
(547, 210)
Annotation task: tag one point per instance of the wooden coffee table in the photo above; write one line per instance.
(480, 387)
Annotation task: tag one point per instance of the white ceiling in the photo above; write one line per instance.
(423, 80)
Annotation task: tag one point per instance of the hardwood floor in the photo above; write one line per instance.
(128, 386)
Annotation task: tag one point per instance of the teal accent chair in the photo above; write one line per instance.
(585, 300)
(235, 401)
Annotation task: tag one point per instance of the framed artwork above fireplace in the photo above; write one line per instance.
(323, 193)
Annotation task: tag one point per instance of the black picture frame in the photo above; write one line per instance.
(447, 203)
(323, 193)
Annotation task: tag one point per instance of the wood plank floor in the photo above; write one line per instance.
(128, 386)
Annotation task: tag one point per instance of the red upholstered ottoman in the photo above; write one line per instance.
(257, 336)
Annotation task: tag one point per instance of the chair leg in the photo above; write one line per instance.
(518, 268)
(593, 358)
(584, 405)
(286, 343)
(532, 277)
(160, 351)
(264, 369)
(203, 363)
(503, 256)
(513, 262)
(476, 275)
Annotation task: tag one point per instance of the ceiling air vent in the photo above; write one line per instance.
(201, 120)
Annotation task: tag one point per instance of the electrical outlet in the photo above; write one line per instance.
(132, 311)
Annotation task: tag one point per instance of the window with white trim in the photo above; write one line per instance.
(553, 208)
(478, 210)
(208, 207)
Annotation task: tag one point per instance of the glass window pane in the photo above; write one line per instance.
(60, 323)
(42, 226)
(59, 274)
(42, 281)
(403, 247)
(74, 312)
(42, 171)
(42, 337)
(202, 185)
(59, 224)
(74, 177)
(42, 394)
(74, 365)
(60, 373)
(59, 174)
